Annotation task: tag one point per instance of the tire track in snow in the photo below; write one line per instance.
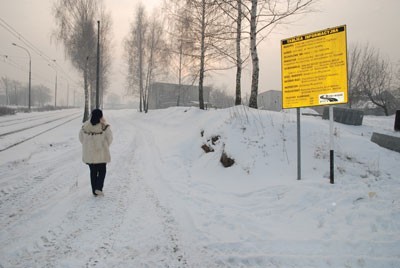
(160, 243)
(116, 200)
(23, 195)
(50, 120)
(163, 247)
(24, 119)
(129, 227)
(37, 134)
(150, 162)
(93, 220)
(88, 220)
(90, 232)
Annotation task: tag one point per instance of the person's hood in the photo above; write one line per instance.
(96, 129)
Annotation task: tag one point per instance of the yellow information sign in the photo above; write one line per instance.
(314, 68)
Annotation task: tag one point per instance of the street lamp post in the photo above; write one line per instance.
(98, 67)
(30, 74)
(67, 94)
(55, 86)
(55, 92)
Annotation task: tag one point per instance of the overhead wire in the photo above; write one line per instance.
(7, 60)
(27, 43)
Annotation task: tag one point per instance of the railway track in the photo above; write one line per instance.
(69, 119)
(7, 121)
(35, 126)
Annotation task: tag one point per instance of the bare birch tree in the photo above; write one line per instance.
(376, 77)
(75, 29)
(41, 95)
(146, 53)
(157, 54)
(133, 45)
(397, 78)
(234, 12)
(105, 57)
(220, 99)
(260, 16)
(134, 49)
(7, 84)
(203, 9)
(105, 52)
(16, 94)
(354, 64)
(264, 15)
(239, 62)
(181, 47)
(208, 35)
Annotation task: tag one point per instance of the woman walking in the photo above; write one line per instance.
(96, 137)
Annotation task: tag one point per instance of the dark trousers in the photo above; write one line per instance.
(97, 176)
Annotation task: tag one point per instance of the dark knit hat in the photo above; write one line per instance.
(97, 114)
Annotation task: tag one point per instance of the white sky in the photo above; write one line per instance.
(375, 22)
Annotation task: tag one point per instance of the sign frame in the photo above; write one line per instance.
(314, 68)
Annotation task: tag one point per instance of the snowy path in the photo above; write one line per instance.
(50, 219)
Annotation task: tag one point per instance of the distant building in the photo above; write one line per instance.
(164, 95)
(270, 100)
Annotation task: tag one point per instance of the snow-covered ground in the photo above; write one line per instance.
(168, 203)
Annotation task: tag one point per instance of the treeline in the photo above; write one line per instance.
(192, 38)
(16, 94)
(77, 29)
(372, 79)
(182, 42)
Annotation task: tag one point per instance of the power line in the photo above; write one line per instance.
(27, 43)
(7, 60)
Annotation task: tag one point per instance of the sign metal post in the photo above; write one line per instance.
(314, 73)
(298, 146)
(331, 147)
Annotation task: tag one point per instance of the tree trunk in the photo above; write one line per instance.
(16, 96)
(202, 54)
(147, 105)
(382, 104)
(385, 109)
(254, 55)
(180, 72)
(86, 89)
(7, 96)
(92, 97)
(238, 99)
(140, 70)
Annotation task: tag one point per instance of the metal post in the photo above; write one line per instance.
(30, 74)
(55, 92)
(30, 79)
(98, 66)
(331, 146)
(298, 146)
(67, 94)
(397, 121)
(55, 84)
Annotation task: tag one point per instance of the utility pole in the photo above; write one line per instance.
(30, 74)
(67, 94)
(55, 92)
(55, 86)
(98, 67)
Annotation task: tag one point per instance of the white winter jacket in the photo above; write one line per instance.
(96, 142)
